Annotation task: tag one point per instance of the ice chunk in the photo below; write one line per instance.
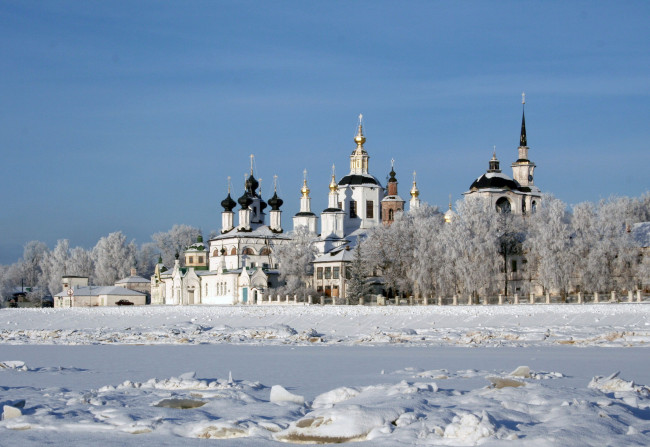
(334, 397)
(280, 394)
(522, 371)
(9, 412)
(222, 430)
(502, 382)
(469, 428)
(181, 404)
(13, 364)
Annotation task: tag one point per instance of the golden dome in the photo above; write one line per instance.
(304, 190)
(359, 138)
(333, 185)
(415, 192)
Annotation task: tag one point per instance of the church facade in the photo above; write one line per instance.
(239, 266)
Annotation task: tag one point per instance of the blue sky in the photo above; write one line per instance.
(131, 115)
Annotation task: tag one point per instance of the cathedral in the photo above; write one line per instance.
(238, 266)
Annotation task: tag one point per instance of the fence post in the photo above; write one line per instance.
(532, 298)
(613, 299)
(322, 300)
(485, 300)
(455, 300)
(638, 296)
(425, 301)
(516, 298)
(596, 300)
(310, 300)
(579, 297)
(500, 300)
(548, 298)
(630, 296)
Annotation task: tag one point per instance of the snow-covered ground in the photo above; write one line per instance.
(466, 375)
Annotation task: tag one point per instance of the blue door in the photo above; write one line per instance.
(244, 294)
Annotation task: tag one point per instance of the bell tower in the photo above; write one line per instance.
(523, 168)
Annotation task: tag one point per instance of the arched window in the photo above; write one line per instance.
(534, 206)
(233, 251)
(265, 251)
(215, 252)
(503, 205)
(390, 214)
(248, 251)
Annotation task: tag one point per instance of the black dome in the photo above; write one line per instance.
(262, 205)
(228, 203)
(495, 181)
(252, 184)
(245, 200)
(356, 179)
(275, 202)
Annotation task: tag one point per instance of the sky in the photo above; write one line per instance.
(130, 115)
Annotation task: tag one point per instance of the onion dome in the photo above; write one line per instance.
(415, 192)
(275, 202)
(392, 175)
(245, 200)
(251, 184)
(228, 203)
(333, 185)
(305, 189)
(262, 205)
(359, 138)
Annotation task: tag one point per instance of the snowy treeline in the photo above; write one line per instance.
(111, 259)
(588, 247)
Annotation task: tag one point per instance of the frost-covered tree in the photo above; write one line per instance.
(549, 245)
(474, 245)
(33, 259)
(146, 259)
(81, 263)
(294, 262)
(175, 241)
(357, 286)
(389, 250)
(56, 266)
(113, 258)
(428, 255)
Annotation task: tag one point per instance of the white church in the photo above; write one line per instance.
(238, 266)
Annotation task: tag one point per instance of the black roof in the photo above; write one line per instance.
(305, 213)
(356, 179)
(495, 181)
(332, 210)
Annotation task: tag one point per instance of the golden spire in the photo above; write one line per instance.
(228, 184)
(275, 183)
(304, 190)
(333, 185)
(359, 138)
(415, 192)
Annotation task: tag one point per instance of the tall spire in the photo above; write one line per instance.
(522, 136)
(333, 185)
(359, 157)
(359, 138)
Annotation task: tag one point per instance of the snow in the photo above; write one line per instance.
(269, 375)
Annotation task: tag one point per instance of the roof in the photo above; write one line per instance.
(340, 254)
(256, 231)
(102, 290)
(359, 179)
(641, 234)
(495, 180)
(392, 199)
(133, 280)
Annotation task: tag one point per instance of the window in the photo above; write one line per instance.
(353, 208)
(534, 207)
(390, 214)
(328, 291)
(513, 265)
(340, 207)
(215, 252)
(348, 273)
(200, 259)
(248, 251)
(319, 273)
(503, 205)
(265, 251)
(190, 259)
(335, 272)
(370, 209)
(233, 251)
(328, 272)
(319, 289)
